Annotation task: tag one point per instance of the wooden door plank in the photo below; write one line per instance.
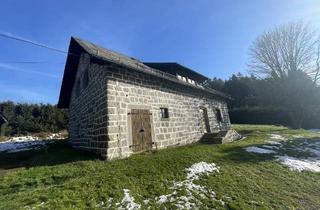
(141, 130)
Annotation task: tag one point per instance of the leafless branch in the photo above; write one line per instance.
(284, 49)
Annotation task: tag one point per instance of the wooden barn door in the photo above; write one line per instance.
(141, 130)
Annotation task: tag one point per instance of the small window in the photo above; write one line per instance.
(219, 115)
(78, 88)
(164, 113)
(85, 79)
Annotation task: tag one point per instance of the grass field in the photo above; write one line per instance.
(61, 178)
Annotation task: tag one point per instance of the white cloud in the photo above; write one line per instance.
(14, 68)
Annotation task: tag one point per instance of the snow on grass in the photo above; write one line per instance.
(300, 164)
(314, 130)
(273, 142)
(297, 136)
(24, 143)
(55, 136)
(296, 147)
(18, 146)
(23, 138)
(276, 136)
(128, 202)
(311, 163)
(201, 168)
(36, 206)
(185, 193)
(105, 204)
(259, 150)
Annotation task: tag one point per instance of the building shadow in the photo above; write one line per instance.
(58, 152)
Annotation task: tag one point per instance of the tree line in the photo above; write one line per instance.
(26, 118)
(294, 102)
(284, 84)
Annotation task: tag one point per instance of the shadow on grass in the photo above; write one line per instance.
(237, 153)
(55, 153)
(244, 131)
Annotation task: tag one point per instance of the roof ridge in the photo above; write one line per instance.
(81, 41)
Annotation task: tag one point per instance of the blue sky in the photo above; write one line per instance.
(212, 37)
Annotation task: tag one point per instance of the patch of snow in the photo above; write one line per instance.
(311, 163)
(128, 202)
(34, 138)
(315, 130)
(201, 168)
(55, 136)
(259, 150)
(273, 142)
(188, 200)
(36, 206)
(297, 136)
(24, 143)
(163, 198)
(105, 205)
(300, 164)
(276, 136)
(23, 138)
(19, 145)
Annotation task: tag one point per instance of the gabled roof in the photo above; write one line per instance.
(176, 68)
(78, 46)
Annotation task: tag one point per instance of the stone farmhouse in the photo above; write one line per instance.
(119, 105)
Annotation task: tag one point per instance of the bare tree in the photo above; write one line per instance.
(286, 48)
(316, 72)
(289, 56)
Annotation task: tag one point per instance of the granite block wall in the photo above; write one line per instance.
(99, 112)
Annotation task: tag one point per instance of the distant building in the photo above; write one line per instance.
(119, 105)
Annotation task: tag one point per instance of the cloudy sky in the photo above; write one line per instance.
(210, 36)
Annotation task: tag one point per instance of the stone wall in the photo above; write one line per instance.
(99, 119)
(88, 111)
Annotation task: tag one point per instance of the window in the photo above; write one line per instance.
(164, 113)
(219, 115)
(85, 79)
(77, 88)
